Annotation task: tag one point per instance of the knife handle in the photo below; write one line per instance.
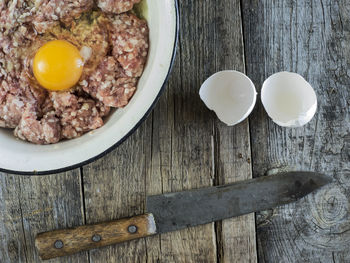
(70, 241)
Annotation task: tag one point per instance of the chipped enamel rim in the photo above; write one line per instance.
(18, 157)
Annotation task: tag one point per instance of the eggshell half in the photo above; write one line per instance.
(289, 99)
(230, 94)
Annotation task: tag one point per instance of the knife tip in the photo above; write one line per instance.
(324, 179)
(313, 179)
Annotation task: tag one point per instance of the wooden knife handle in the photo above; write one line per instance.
(69, 241)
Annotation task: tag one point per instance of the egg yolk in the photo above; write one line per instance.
(58, 65)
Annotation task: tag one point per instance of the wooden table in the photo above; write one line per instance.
(182, 145)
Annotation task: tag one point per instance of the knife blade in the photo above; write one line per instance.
(175, 211)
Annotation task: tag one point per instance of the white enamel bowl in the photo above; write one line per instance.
(21, 157)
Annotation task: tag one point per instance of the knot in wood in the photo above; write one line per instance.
(325, 220)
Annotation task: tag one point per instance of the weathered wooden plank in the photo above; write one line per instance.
(233, 153)
(238, 238)
(30, 205)
(181, 159)
(160, 164)
(311, 38)
(114, 187)
(182, 152)
(49, 203)
(12, 239)
(239, 235)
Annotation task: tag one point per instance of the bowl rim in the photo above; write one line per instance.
(117, 144)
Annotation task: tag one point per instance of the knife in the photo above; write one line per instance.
(175, 211)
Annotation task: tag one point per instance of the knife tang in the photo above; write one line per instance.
(70, 241)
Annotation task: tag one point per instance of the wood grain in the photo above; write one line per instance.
(114, 187)
(65, 242)
(182, 133)
(236, 237)
(311, 38)
(49, 203)
(12, 239)
(30, 205)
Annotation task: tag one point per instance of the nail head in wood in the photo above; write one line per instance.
(96, 238)
(58, 244)
(132, 229)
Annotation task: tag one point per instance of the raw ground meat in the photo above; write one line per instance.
(77, 115)
(129, 37)
(116, 6)
(11, 109)
(44, 131)
(103, 110)
(95, 36)
(108, 85)
(14, 47)
(114, 80)
(15, 96)
(115, 49)
(51, 12)
(14, 13)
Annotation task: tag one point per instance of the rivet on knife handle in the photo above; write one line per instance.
(69, 241)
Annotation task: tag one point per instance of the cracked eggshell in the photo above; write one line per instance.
(230, 94)
(289, 99)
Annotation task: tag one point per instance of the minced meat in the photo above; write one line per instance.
(113, 43)
(116, 6)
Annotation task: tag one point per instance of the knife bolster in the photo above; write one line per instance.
(69, 241)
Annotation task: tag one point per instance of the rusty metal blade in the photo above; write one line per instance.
(176, 211)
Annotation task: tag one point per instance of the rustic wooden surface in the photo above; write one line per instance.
(312, 38)
(183, 146)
